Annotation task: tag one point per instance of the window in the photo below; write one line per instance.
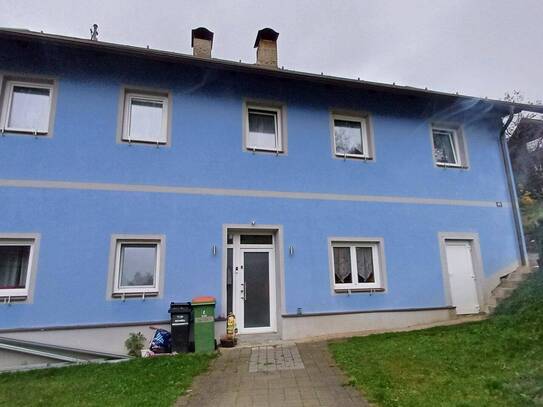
(27, 107)
(15, 267)
(264, 129)
(256, 239)
(448, 145)
(350, 137)
(137, 266)
(356, 265)
(145, 118)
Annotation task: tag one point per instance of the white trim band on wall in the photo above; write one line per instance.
(251, 193)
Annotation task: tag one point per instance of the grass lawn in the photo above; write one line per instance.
(496, 362)
(139, 382)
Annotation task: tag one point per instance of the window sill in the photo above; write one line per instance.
(7, 299)
(358, 290)
(138, 294)
(353, 157)
(5, 132)
(145, 143)
(460, 167)
(263, 150)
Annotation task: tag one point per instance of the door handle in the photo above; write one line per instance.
(243, 296)
(244, 291)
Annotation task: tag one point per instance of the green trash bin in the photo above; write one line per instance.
(204, 324)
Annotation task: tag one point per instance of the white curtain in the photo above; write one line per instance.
(342, 265)
(364, 264)
(13, 266)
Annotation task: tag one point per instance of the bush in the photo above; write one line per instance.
(135, 343)
(526, 303)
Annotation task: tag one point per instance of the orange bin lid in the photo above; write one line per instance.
(204, 299)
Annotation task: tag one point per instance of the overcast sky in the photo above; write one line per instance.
(476, 47)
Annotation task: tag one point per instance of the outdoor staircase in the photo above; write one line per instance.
(507, 285)
(50, 355)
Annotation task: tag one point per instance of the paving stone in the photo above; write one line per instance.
(287, 374)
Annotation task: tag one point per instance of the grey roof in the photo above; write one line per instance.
(40, 37)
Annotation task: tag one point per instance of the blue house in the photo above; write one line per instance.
(305, 204)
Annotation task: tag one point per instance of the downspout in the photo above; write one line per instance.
(513, 191)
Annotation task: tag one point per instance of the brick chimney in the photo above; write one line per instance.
(266, 47)
(202, 42)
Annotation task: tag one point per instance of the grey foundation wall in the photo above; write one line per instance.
(103, 339)
(321, 325)
(111, 339)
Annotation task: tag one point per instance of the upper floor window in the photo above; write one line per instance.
(356, 265)
(145, 117)
(264, 128)
(351, 137)
(27, 107)
(448, 146)
(15, 266)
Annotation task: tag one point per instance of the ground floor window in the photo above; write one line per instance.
(15, 266)
(137, 266)
(356, 265)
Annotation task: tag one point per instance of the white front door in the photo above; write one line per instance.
(253, 282)
(462, 277)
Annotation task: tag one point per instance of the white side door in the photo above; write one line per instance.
(462, 277)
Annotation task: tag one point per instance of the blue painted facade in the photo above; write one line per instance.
(76, 225)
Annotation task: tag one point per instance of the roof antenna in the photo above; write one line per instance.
(94, 32)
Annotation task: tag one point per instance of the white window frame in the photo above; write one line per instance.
(364, 134)
(127, 112)
(117, 289)
(457, 153)
(8, 98)
(273, 111)
(355, 285)
(20, 292)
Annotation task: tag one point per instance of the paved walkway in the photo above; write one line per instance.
(282, 375)
(274, 358)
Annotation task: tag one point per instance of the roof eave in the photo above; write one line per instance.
(26, 35)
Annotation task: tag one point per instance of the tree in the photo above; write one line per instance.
(516, 96)
(525, 142)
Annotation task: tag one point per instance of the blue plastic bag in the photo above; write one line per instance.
(162, 342)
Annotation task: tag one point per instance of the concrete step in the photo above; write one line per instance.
(254, 340)
(507, 283)
(501, 293)
(516, 277)
(524, 270)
